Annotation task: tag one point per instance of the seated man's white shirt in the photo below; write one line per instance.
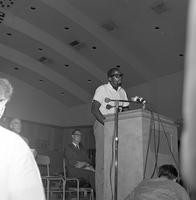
(19, 175)
(107, 91)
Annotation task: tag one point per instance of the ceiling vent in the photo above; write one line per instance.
(77, 45)
(159, 7)
(110, 26)
(2, 15)
(74, 43)
(43, 59)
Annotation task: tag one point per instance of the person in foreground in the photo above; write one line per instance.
(164, 187)
(78, 163)
(19, 175)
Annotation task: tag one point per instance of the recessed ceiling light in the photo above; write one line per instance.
(16, 68)
(89, 80)
(33, 8)
(9, 34)
(118, 66)
(66, 65)
(40, 49)
(62, 93)
(66, 28)
(94, 47)
(157, 27)
(41, 80)
(181, 55)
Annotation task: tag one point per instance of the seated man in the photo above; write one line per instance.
(78, 163)
(162, 188)
(16, 126)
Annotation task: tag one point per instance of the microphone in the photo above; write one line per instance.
(108, 106)
(107, 100)
(135, 99)
(139, 100)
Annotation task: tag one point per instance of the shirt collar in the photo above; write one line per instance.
(110, 87)
(76, 145)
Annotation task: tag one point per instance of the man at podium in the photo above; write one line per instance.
(101, 106)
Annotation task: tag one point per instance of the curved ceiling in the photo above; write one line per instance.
(65, 47)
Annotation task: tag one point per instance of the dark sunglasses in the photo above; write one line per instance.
(117, 75)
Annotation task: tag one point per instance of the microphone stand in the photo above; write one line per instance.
(116, 150)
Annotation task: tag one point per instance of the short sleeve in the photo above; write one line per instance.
(99, 94)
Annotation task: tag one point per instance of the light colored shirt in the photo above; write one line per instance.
(158, 189)
(107, 91)
(76, 145)
(19, 175)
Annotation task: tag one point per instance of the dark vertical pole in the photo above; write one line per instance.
(116, 152)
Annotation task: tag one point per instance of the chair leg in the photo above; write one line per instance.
(92, 195)
(78, 191)
(63, 190)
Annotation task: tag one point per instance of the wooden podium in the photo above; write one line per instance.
(140, 134)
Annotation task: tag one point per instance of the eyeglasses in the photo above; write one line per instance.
(117, 75)
(77, 135)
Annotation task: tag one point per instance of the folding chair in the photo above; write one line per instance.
(52, 184)
(77, 189)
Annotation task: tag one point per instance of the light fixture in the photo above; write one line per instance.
(9, 34)
(66, 28)
(157, 27)
(33, 8)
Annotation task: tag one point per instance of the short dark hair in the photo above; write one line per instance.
(110, 71)
(169, 171)
(6, 89)
(74, 132)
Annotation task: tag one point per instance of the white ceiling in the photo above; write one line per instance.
(145, 38)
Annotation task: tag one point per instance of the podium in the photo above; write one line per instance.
(146, 140)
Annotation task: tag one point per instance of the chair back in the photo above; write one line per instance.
(43, 162)
(64, 168)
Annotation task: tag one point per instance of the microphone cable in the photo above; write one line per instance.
(170, 149)
(111, 165)
(148, 146)
(156, 147)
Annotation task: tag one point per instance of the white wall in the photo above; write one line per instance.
(31, 104)
(164, 95)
